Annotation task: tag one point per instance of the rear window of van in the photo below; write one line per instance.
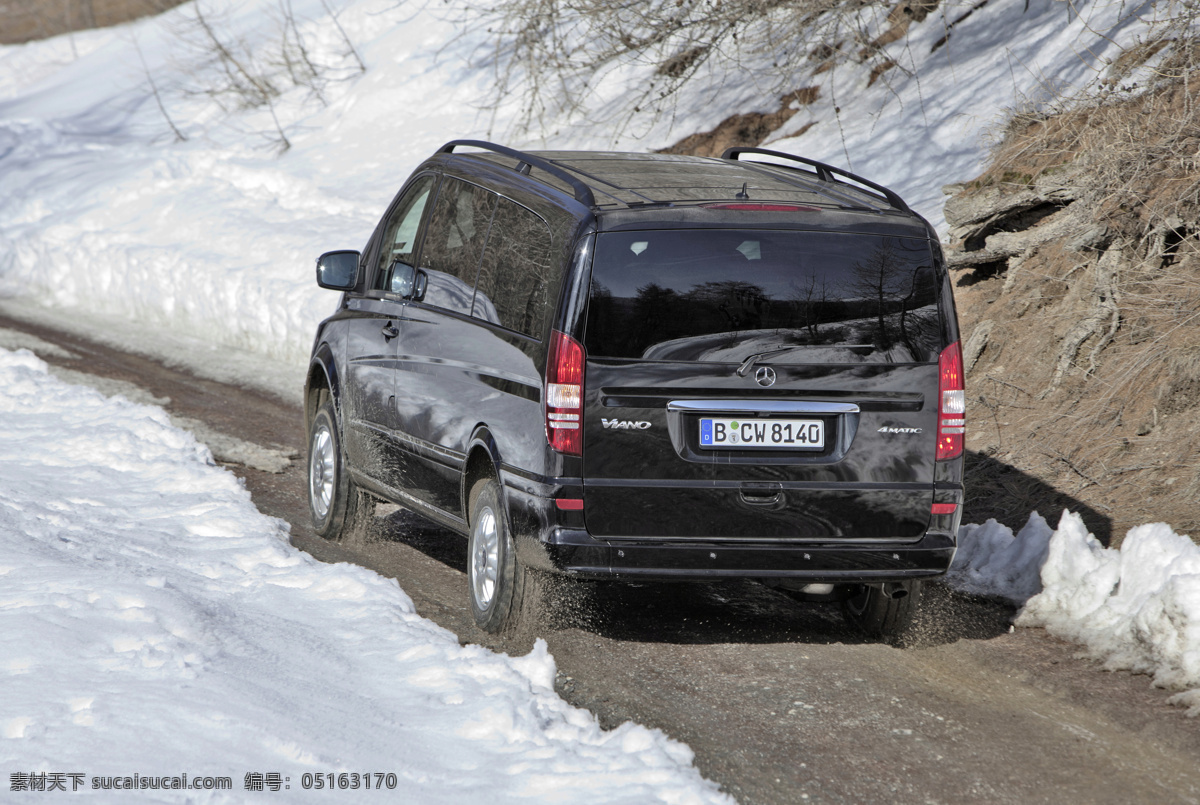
(721, 295)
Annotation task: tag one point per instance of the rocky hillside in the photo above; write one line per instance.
(1077, 265)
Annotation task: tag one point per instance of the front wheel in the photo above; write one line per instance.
(500, 588)
(340, 510)
(884, 610)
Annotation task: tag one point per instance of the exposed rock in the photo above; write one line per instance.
(997, 246)
(976, 344)
(1101, 320)
(1092, 239)
(976, 213)
(957, 260)
(983, 205)
(1062, 183)
(1060, 224)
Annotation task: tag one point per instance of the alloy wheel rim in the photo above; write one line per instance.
(321, 472)
(485, 558)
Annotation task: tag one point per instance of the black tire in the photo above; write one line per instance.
(876, 614)
(340, 510)
(502, 591)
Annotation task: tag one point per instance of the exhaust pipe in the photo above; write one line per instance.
(895, 589)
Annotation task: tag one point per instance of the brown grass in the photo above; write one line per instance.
(1091, 374)
(750, 129)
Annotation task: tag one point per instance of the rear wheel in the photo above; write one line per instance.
(884, 610)
(340, 510)
(502, 590)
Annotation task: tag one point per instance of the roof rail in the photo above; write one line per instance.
(824, 172)
(583, 193)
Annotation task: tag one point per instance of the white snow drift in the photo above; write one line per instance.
(1135, 609)
(152, 621)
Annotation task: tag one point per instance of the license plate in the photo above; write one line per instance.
(779, 434)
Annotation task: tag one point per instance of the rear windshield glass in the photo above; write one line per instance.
(724, 295)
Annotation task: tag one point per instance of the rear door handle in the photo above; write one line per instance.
(390, 331)
(761, 494)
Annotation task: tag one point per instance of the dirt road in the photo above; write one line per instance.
(779, 700)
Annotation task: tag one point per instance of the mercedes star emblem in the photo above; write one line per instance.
(765, 376)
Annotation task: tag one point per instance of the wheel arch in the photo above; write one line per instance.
(483, 461)
(322, 380)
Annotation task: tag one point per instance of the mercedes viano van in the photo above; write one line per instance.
(648, 366)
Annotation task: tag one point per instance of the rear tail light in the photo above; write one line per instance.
(564, 394)
(952, 403)
(944, 508)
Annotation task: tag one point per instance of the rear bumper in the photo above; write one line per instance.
(577, 553)
(555, 540)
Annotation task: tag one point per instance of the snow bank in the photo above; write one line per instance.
(215, 236)
(152, 621)
(991, 562)
(1136, 608)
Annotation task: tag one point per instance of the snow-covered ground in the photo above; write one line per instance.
(148, 610)
(153, 622)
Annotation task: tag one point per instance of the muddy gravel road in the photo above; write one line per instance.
(779, 700)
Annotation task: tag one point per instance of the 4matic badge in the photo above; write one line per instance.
(624, 424)
(890, 429)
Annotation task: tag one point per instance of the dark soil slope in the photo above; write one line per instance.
(1077, 258)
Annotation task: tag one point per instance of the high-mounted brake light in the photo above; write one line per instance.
(564, 394)
(952, 403)
(761, 207)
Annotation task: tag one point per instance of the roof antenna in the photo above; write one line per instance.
(742, 194)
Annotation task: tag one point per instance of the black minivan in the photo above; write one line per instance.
(648, 366)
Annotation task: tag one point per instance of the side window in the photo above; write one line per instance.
(399, 242)
(517, 270)
(458, 228)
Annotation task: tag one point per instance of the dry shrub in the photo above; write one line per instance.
(237, 74)
(549, 54)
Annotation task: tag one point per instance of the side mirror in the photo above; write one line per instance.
(420, 282)
(401, 282)
(338, 271)
(408, 282)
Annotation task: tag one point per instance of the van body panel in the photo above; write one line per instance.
(838, 299)
(870, 481)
